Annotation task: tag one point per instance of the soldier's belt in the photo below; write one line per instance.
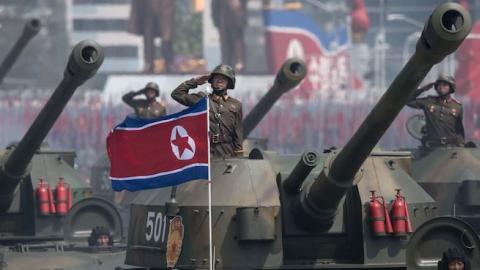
(220, 138)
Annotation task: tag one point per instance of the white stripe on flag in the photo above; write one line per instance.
(161, 122)
(159, 174)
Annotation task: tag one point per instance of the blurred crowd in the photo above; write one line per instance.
(85, 123)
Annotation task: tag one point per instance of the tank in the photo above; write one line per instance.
(451, 175)
(31, 28)
(46, 213)
(272, 211)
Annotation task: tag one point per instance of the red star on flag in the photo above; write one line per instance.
(181, 143)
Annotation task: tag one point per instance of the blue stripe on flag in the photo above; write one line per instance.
(193, 173)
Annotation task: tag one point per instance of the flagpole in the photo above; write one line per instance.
(209, 189)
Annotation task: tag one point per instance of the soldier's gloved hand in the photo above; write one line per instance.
(141, 91)
(427, 87)
(202, 79)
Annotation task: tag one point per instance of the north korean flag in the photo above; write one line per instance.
(166, 151)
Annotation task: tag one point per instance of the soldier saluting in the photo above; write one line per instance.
(443, 114)
(149, 107)
(226, 129)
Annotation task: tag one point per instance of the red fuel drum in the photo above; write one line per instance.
(400, 217)
(62, 194)
(43, 197)
(380, 221)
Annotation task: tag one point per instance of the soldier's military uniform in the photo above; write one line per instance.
(226, 128)
(443, 116)
(144, 108)
(154, 18)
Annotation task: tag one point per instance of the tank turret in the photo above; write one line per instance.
(445, 30)
(46, 210)
(29, 31)
(289, 75)
(310, 211)
(84, 61)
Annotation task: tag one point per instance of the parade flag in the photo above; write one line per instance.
(160, 152)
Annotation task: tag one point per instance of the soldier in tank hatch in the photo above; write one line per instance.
(453, 259)
(443, 114)
(226, 128)
(149, 107)
(100, 237)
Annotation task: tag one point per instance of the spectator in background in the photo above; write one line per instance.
(360, 51)
(153, 18)
(360, 20)
(230, 18)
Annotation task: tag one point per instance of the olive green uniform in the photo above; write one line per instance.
(226, 129)
(143, 108)
(443, 118)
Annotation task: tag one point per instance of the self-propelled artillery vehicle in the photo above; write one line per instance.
(345, 209)
(450, 174)
(46, 213)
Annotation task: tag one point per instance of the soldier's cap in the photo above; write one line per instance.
(453, 254)
(98, 231)
(154, 86)
(447, 79)
(226, 71)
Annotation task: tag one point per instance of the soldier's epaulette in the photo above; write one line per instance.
(456, 101)
(430, 97)
(234, 100)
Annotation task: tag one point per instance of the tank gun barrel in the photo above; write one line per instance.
(444, 31)
(83, 63)
(31, 28)
(307, 162)
(290, 75)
